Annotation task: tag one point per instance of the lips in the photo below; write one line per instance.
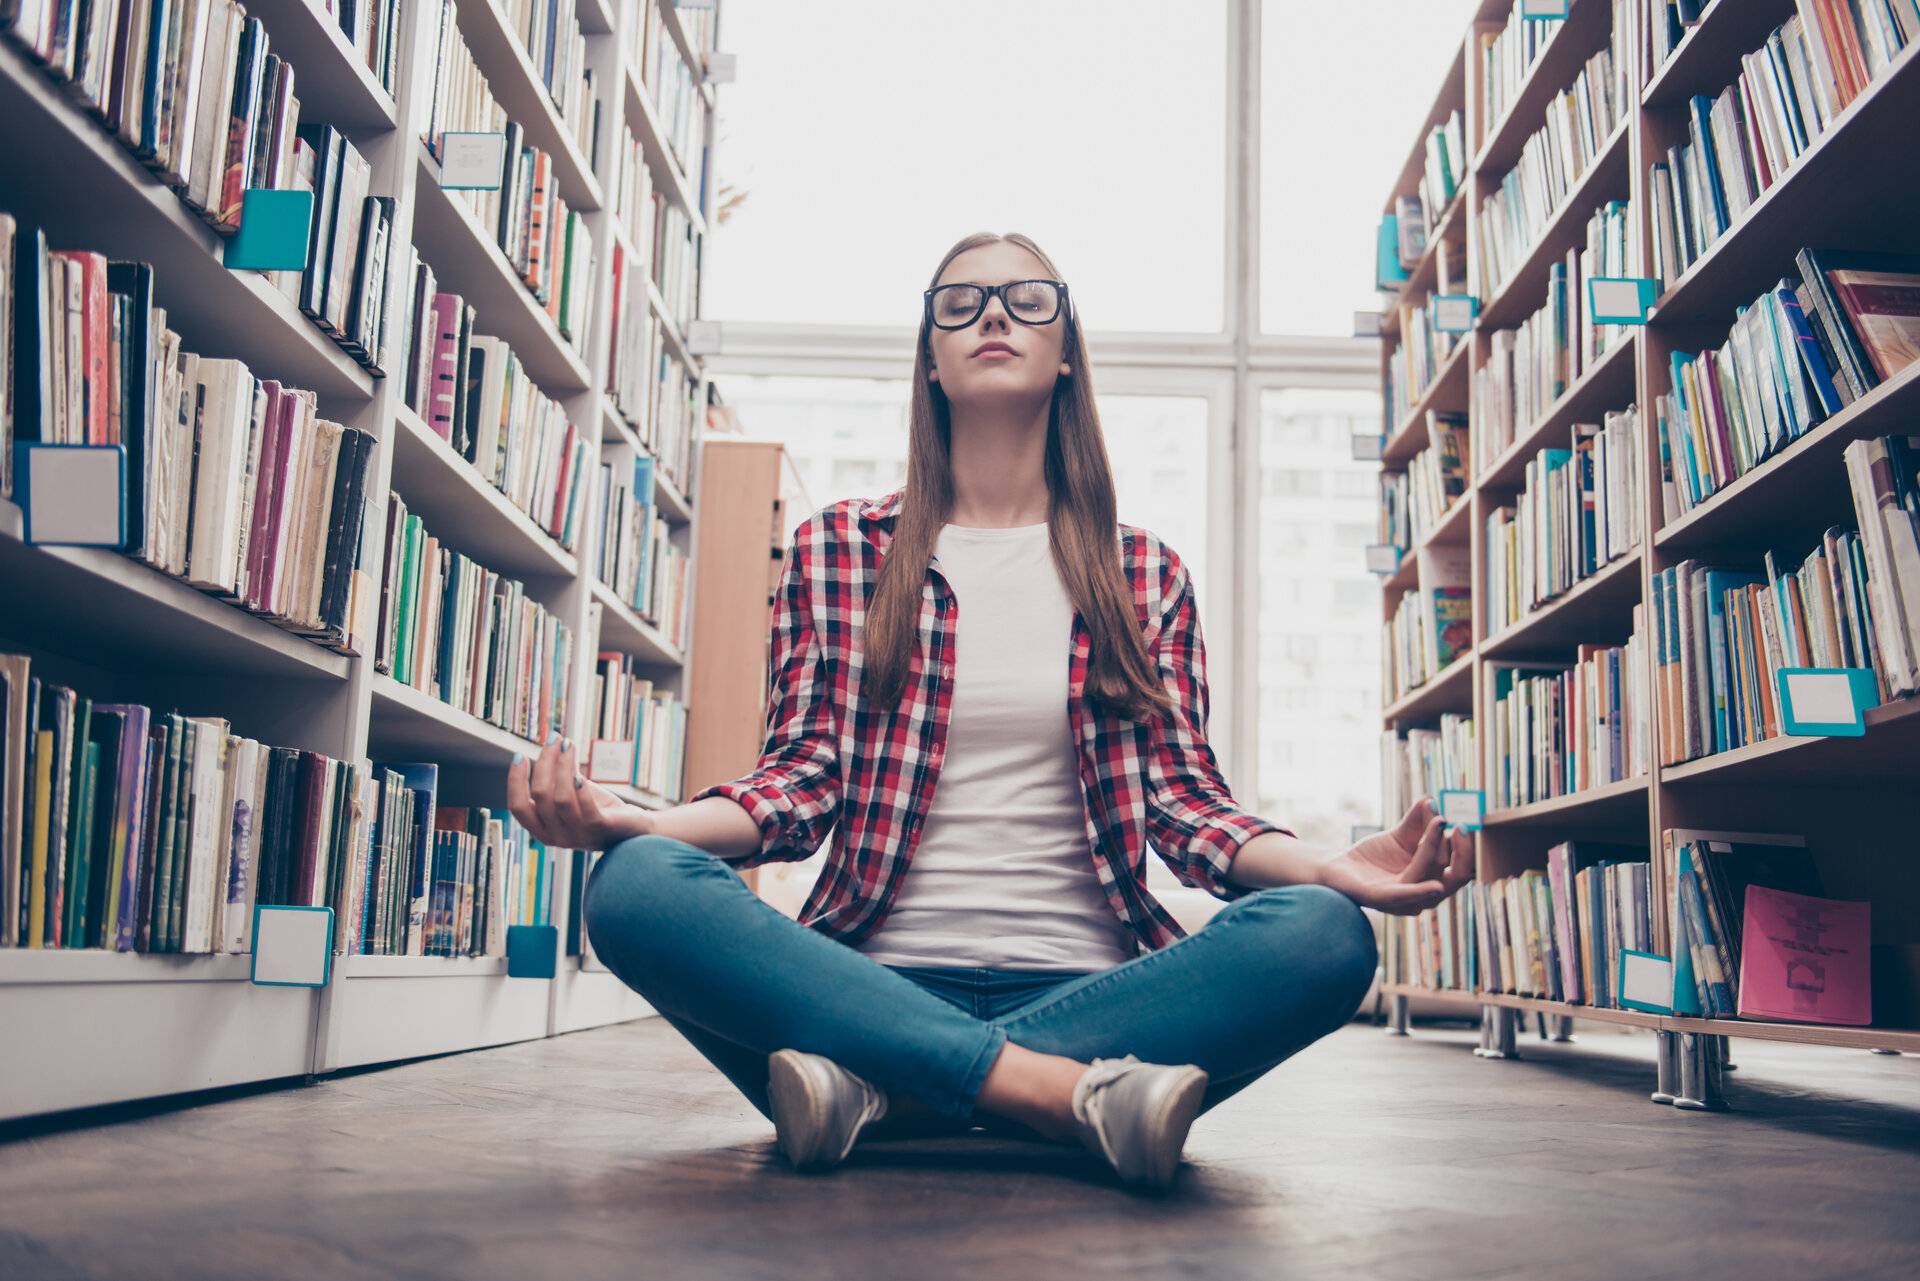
(985, 348)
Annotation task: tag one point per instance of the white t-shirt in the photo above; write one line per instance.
(1003, 875)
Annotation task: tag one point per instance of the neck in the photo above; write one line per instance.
(998, 458)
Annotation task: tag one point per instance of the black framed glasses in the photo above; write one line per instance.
(1031, 302)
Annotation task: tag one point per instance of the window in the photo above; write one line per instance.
(1291, 482)
(1317, 762)
(1375, 67)
(1008, 116)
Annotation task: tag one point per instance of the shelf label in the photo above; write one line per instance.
(722, 68)
(273, 232)
(532, 951)
(610, 760)
(1462, 808)
(292, 946)
(1368, 446)
(1645, 981)
(1543, 10)
(1454, 313)
(1366, 324)
(71, 495)
(1621, 300)
(472, 161)
(1818, 702)
(1382, 558)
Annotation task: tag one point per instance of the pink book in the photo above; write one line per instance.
(446, 343)
(266, 485)
(267, 587)
(1804, 959)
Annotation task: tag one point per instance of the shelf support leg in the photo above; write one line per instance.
(1702, 1072)
(1563, 1027)
(1397, 1015)
(1666, 1064)
(1499, 1028)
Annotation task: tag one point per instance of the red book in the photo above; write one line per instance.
(446, 345)
(97, 329)
(310, 807)
(266, 486)
(1884, 309)
(556, 523)
(261, 591)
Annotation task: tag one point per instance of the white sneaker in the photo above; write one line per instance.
(1137, 1115)
(819, 1108)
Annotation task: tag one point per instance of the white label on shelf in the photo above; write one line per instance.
(1647, 980)
(1462, 808)
(472, 161)
(1821, 698)
(292, 945)
(1617, 298)
(1367, 446)
(1366, 324)
(73, 496)
(611, 761)
(1537, 10)
(1382, 558)
(1453, 313)
(703, 337)
(722, 68)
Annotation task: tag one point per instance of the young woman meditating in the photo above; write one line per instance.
(994, 695)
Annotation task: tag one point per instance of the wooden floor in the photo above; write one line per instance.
(620, 1153)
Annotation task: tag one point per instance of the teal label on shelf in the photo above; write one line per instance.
(1455, 313)
(1463, 808)
(273, 232)
(1368, 446)
(1621, 300)
(1383, 558)
(1644, 981)
(532, 951)
(292, 946)
(1820, 702)
(1543, 10)
(71, 495)
(472, 161)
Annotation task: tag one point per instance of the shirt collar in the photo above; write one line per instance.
(882, 509)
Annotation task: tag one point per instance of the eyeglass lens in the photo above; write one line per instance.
(1033, 302)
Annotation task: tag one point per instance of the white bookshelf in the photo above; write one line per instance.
(92, 1027)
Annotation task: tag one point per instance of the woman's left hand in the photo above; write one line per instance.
(1406, 869)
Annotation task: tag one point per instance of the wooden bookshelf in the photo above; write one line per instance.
(96, 1027)
(1842, 192)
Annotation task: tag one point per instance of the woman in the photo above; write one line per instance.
(1020, 975)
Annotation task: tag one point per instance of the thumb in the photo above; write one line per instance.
(1406, 833)
(1406, 898)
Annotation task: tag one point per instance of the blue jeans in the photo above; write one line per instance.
(1271, 973)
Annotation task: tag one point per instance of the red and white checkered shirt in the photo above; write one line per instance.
(832, 761)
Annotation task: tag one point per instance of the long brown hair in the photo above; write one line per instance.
(1081, 521)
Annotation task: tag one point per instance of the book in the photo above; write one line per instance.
(1805, 959)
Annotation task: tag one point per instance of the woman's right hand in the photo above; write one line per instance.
(554, 801)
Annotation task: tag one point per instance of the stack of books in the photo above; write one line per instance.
(1434, 949)
(630, 190)
(1436, 477)
(1426, 762)
(550, 36)
(1507, 55)
(1558, 934)
(640, 730)
(234, 484)
(1668, 25)
(1416, 357)
(1560, 730)
(469, 636)
(1886, 500)
(1430, 627)
(472, 392)
(191, 89)
(628, 516)
(344, 286)
(1580, 509)
(1825, 336)
(1789, 91)
(670, 82)
(546, 243)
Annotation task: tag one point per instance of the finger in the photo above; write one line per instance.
(1460, 866)
(1425, 863)
(1407, 899)
(519, 797)
(1406, 833)
(543, 785)
(568, 782)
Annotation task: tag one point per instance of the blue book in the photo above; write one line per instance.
(1811, 356)
(422, 778)
(1719, 992)
(1689, 991)
(1701, 108)
(1719, 583)
(1388, 272)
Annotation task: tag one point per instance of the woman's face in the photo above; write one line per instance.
(970, 375)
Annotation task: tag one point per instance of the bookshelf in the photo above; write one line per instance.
(1837, 792)
(91, 1027)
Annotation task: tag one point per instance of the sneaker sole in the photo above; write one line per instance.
(799, 1111)
(1172, 1119)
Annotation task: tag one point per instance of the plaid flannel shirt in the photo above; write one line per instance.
(833, 762)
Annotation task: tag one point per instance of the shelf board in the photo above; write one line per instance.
(1602, 602)
(111, 610)
(1819, 201)
(333, 82)
(1451, 690)
(1889, 750)
(467, 261)
(1566, 51)
(400, 967)
(667, 498)
(1448, 393)
(1906, 1040)
(1452, 530)
(98, 965)
(676, 344)
(1797, 493)
(622, 629)
(516, 86)
(673, 504)
(407, 724)
(1607, 805)
(1606, 386)
(1525, 290)
(1708, 57)
(596, 17)
(1449, 994)
(670, 19)
(668, 175)
(465, 511)
(1597, 1013)
(67, 173)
